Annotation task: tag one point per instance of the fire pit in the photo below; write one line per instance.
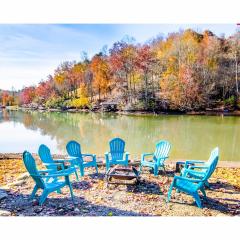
(127, 175)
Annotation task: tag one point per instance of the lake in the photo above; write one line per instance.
(192, 137)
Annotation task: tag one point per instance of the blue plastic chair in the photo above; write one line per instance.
(74, 151)
(190, 166)
(158, 157)
(117, 154)
(46, 158)
(191, 185)
(40, 176)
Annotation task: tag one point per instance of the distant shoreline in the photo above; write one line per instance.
(101, 161)
(208, 112)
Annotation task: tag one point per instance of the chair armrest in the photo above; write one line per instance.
(145, 155)
(54, 164)
(107, 156)
(161, 158)
(88, 155)
(70, 158)
(187, 170)
(61, 173)
(66, 160)
(45, 170)
(126, 154)
(187, 179)
(199, 167)
(192, 162)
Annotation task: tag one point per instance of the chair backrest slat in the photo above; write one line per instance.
(117, 147)
(162, 150)
(74, 150)
(45, 155)
(30, 165)
(213, 161)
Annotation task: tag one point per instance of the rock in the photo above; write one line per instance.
(17, 183)
(38, 210)
(61, 210)
(76, 209)
(3, 194)
(5, 187)
(5, 213)
(85, 210)
(23, 176)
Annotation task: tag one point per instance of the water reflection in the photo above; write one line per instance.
(192, 137)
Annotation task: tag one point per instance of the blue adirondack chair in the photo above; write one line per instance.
(191, 185)
(39, 176)
(158, 157)
(46, 157)
(74, 151)
(190, 166)
(117, 155)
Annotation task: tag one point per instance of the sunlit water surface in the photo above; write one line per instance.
(191, 137)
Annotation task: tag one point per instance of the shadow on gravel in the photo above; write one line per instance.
(215, 204)
(20, 205)
(145, 187)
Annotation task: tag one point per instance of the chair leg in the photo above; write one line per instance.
(164, 170)
(59, 191)
(198, 200)
(70, 187)
(96, 167)
(170, 192)
(155, 170)
(35, 189)
(107, 166)
(203, 191)
(81, 168)
(207, 184)
(43, 197)
(76, 175)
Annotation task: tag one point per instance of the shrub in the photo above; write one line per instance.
(82, 102)
(230, 101)
(57, 102)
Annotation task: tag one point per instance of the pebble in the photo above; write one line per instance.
(5, 213)
(17, 183)
(23, 176)
(76, 210)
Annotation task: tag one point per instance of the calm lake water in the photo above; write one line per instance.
(192, 137)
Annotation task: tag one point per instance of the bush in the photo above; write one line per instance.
(82, 102)
(55, 103)
(230, 101)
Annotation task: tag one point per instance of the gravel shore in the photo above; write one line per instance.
(94, 198)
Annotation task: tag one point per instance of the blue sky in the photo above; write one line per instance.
(30, 52)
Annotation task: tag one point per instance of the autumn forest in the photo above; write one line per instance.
(184, 71)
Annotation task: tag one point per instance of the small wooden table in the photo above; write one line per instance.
(127, 175)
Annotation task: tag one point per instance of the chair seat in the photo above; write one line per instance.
(118, 161)
(56, 184)
(89, 164)
(148, 163)
(186, 186)
(197, 174)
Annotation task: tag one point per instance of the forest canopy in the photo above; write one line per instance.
(185, 71)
